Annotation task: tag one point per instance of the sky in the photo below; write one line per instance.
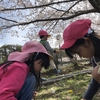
(12, 40)
(8, 39)
(19, 40)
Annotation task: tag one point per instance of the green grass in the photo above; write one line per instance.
(66, 89)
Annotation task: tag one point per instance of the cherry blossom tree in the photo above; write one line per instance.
(51, 15)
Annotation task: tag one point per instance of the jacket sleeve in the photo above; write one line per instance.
(94, 85)
(12, 80)
(48, 47)
(92, 89)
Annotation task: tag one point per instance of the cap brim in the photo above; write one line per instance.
(67, 44)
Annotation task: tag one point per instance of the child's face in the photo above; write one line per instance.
(86, 50)
(37, 65)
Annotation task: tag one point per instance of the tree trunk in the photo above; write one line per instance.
(95, 4)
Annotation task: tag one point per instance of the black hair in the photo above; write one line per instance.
(44, 60)
(36, 56)
(95, 39)
(30, 62)
(42, 36)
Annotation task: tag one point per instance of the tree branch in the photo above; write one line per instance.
(23, 4)
(1, 0)
(9, 20)
(39, 5)
(65, 13)
(52, 19)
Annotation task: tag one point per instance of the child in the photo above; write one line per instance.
(44, 36)
(80, 39)
(20, 75)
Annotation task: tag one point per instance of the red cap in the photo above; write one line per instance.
(43, 33)
(76, 30)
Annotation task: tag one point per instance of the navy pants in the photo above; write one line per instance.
(29, 87)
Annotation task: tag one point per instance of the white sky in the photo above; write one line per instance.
(11, 40)
(8, 39)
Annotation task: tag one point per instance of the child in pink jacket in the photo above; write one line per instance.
(20, 75)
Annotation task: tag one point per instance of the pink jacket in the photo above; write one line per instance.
(11, 80)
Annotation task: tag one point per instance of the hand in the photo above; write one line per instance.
(57, 51)
(34, 94)
(95, 74)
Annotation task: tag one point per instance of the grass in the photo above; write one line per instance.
(66, 89)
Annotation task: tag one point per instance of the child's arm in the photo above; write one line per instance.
(96, 73)
(12, 80)
(92, 90)
(94, 85)
(48, 47)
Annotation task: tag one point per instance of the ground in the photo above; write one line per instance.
(71, 88)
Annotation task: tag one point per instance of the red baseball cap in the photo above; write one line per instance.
(43, 33)
(76, 30)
